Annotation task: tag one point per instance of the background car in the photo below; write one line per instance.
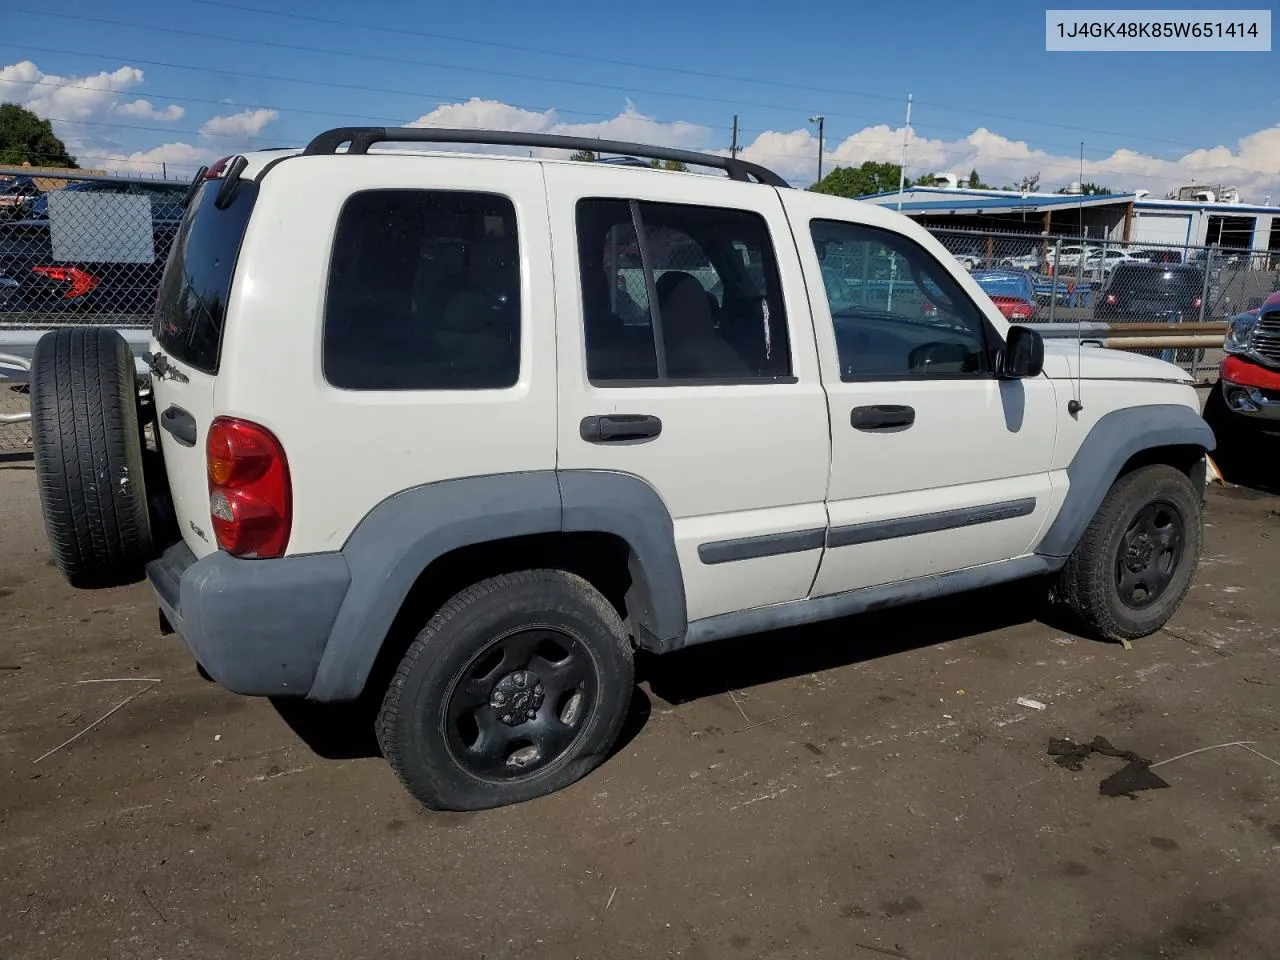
(34, 284)
(1146, 291)
(1012, 291)
(166, 197)
(1099, 263)
(17, 198)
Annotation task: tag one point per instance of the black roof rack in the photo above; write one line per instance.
(362, 138)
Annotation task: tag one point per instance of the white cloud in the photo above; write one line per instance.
(630, 125)
(64, 100)
(246, 123)
(144, 110)
(1253, 165)
(172, 158)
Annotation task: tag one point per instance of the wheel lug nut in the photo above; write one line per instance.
(538, 689)
(499, 698)
(533, 714)
(519, 679)
(506, 718)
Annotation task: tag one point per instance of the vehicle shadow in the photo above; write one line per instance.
(736, 664)
(346, 731)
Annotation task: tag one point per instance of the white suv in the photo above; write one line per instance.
(454, 434)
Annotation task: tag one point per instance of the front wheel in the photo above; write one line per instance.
(517, 687)
(1135, 562)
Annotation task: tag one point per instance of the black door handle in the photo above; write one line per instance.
(180, 424)
(619, 428)
(882, 417)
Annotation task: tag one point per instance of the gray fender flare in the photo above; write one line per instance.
(404, 534)
(1110, 443)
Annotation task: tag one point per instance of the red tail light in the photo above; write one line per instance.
(1195, 304)
(250, 496)
(79, 282)
(930, 309)
(1111, 299)
(216, 168)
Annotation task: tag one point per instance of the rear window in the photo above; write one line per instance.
(1158, 280)
(424, 292)
(192, 305)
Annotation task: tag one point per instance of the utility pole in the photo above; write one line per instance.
(902, 168)
(820, 121)
(733, 147)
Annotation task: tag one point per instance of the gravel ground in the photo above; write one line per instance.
(868, 788)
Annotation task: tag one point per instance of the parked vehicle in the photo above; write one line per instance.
(1012, 291)
(414, 455)
(1026, 261)
(1246, 399)
(166, 197)
(1142, 291)
(17, 196)
(1159, 255)
(970, 252)
(1099, 263)
(36, 283)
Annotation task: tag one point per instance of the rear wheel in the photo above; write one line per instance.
(1136, 560)
(517, 687)
(89, 456)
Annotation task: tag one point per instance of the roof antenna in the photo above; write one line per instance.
(1076, 404)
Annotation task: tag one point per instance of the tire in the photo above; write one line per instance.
(1154, 515)
(88, 456)
(481, 711)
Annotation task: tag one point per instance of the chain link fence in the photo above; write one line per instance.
(77, 248)
(1048, 279)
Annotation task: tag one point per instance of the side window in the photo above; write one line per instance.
(424, 292)
(677, 294)
(897, 312)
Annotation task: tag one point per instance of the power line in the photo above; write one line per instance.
(454, 38)
(155, 95)
(383, 58)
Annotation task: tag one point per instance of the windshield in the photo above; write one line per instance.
(197, 279)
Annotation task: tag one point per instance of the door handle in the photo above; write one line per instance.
(180, 424)
(619, 428)
(882, 417)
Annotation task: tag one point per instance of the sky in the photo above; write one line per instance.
(158, 88)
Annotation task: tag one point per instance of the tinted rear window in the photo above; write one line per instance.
(197, 279)
(1160, 281)
(424, 292)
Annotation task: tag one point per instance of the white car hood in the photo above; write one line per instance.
(1099, 363)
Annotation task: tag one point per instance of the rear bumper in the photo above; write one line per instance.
(258, 627)
(1250, 389)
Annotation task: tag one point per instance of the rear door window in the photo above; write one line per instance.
(192, 305)
(424, 292)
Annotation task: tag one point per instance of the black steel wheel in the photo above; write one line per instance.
(1150, 549)
(518, 706)
(1138, 556)
(518, 686)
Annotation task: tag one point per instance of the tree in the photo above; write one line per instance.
(975, 181)
(928, 180)
(679, 166)
(870, 177)
(25, 138)
(586, 155)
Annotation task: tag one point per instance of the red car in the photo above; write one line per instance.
(1249, 377)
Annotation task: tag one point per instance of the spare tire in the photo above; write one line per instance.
(88, 456)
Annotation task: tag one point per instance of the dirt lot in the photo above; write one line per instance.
(868, 789)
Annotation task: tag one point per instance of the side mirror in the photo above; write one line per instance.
(1023, 354)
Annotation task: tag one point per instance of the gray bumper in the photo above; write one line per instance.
(258, 627)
